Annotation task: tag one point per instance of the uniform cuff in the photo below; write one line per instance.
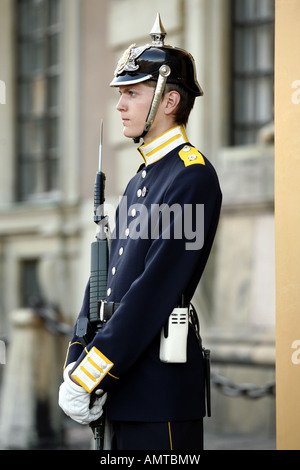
(92, 369)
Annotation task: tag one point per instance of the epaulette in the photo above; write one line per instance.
(190, 156)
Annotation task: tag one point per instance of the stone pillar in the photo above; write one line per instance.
(287, 221)
(29, 415)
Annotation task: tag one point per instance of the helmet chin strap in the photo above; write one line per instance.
(164, 72)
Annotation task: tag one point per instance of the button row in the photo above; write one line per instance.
(140, 192)
(114, 269)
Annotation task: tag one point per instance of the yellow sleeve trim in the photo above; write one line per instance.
(67, 354)
(88, 374)
(191, 156)
(92, 369)
(170, 435)
(95, 365)
(113, 376)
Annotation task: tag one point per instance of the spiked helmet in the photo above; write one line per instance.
(158, 62)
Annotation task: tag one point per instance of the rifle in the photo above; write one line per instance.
(88, 327)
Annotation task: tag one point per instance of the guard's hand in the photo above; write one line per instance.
(74, 400)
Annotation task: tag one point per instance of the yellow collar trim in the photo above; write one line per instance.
(165, 143)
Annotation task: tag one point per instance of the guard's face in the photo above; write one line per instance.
(134, 104)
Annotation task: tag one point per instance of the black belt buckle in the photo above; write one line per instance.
(101, 304)
(106, 310)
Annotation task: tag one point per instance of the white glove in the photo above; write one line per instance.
(74, 400)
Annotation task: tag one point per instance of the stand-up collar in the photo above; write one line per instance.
(165, 143)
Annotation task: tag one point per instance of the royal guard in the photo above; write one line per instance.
(146, 363)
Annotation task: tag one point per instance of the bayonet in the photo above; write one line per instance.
(100, 146)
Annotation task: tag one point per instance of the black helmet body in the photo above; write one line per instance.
(143, 63)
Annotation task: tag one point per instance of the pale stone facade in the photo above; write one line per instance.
(236, 299)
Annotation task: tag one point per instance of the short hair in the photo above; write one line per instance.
(185, 105)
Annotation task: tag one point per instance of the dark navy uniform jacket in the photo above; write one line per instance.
(151, 265)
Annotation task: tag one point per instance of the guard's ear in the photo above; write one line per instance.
(172, 101)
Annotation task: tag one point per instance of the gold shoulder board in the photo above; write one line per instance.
(190, 156)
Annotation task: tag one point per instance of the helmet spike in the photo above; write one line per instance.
(158, 32)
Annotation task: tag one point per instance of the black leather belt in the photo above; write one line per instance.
(106, 310)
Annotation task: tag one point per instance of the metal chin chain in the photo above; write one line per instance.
(164, 72)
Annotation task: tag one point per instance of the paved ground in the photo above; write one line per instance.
(80, 437)
(235, 442)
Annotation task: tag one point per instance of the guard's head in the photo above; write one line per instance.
(158, 63)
